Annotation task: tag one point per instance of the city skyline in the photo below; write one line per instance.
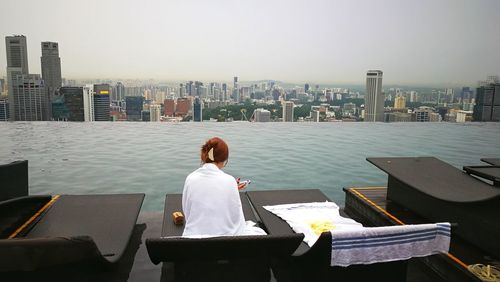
(425, 43)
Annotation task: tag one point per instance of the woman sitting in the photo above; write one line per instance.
(210, 200)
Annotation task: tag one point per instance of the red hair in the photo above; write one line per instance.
(221, 150)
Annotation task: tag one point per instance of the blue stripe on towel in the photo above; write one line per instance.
(386, 240)
(334, 244)
(375, 239)
(446, 232)
(359, 246)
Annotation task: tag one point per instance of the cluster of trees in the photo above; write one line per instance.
(237, 111)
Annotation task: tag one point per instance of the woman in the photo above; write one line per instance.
(210, 200)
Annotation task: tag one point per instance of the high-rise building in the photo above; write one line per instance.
(146, 115)
(466, 95)
(183, 106)
(400, 102)
(306, 87)
(88, 102)
(287, 111)
(197, 110)
(374, 98)
(4, 110)
(211, 90)
(169, 107)
(236, 90)
(182, 90)
(224, 92)
(59, 110)
(74, 102)
(487, 106)
(2, 86)
(28, 97)
(197, 89)
(134, 105)
(450, 93)
(190, 88)
(119, 93)
(101, 102)
(413, 96)
(398, 117)
(426, 114)
(51, 69)
(155, 113)
(17, 64)
(261, 115)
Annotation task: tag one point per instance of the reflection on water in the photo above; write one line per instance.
(154, 158)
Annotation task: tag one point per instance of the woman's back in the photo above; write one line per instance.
(211, 203)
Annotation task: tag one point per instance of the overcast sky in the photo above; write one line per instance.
(431, 42)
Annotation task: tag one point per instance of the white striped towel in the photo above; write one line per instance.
(312, 219)
(389, 243)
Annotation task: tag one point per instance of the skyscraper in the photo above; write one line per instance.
(146, 115)
(155, 113)
(287, 111)
(487, 106)
(29, 98)
(2, 85)
(4, 110)
(400, 102)
(101, 102)
(189, 88)
(74, 102)
(236, 90)
(134, 106)
(59, 110)
(374, 98)
(197, 109)
(51, 69)
(88, 102)
(413, 96)
(182, 90)
(466, 95)
(119, 93)
(17, 64)
(183, 106)
(224, 92)
(169, 107)
(261, 115)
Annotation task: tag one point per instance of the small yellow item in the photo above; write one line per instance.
(178, 218)
(321, 226)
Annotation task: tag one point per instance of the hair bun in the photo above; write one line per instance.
(214, 150)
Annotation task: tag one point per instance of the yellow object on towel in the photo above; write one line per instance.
(320, 226)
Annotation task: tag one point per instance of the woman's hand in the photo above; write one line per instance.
(242, 185)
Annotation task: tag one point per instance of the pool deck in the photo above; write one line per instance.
(367, 205)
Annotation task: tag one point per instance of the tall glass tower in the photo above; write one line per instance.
(51, 70)
(17, 64)
(374, 99)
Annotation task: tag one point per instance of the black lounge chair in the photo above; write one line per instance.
(313, 264)
(42, 231)
(488, 172)
(14, 179)
(491, 161)
(224, 258)
(438, 192)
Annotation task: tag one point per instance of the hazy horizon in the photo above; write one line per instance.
(322, 42)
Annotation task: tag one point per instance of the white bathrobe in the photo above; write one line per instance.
(212, 206)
